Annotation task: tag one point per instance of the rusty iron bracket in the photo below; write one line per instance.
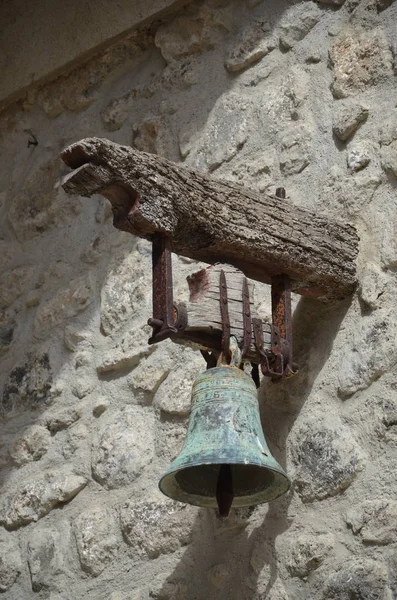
(170, 320)
(224, 315)
(247, 331)
(277, 364)
(163, 320)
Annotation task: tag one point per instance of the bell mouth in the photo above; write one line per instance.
(197, 484)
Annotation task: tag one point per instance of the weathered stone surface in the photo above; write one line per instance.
(66, 304)
(369, 353)
(359, 155)
(97, 539)
(12, 284)
(297, 22)
(191, 33)
(28, 385)
(122, 295)
(30, 445)
(372, 286)
(337, 548)
(307, 552)
(252, 45)
(162, 589)
(375, 521)
(7, 328)
(74, 338)
(383, 4)
(347, 118)
(45, 558)
(84, 380)
(326, 457)
(127, 352)
(124, 446)
(10, 560)
(358, 578)
(389, 158)
(173, 396)
(295, 154)
(337, 2)
(62, 419)
(225, 134)
(152, 528)
(218, 575)
(46, 206)
(116, 112)
(77, 439)
(36, 497)
(360, 58)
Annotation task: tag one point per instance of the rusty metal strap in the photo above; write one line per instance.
(224, 314)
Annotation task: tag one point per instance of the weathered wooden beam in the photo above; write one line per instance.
(216, 221)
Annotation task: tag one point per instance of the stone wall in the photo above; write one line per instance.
(299, 94)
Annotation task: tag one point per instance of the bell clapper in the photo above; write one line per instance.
(224, 490)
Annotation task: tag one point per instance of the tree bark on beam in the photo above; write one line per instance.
(216, 221)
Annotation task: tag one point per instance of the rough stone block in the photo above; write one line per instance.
(358, 578)
(47, 207)
(375, 521)
(252, 45)
(295, 155)
(297, 22)
(174, 394)
(359, 155)
(347, 118)
(360, 59)
(64, 305)
(124, 446)
(372, 286)
(62, 419)
(124, 296)
(369, 353)
(36, 497)
(12, 284)
(127, 353)
(10, 560)
(194, 32)
(156, 527)
(45, 557)
(30, 445)
(7, 328)
(98, 539)
(326, 457)
(226, 133)
(307, 552)
(28, 385)
(389, 159)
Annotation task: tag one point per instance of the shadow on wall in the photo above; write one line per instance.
(236, 558)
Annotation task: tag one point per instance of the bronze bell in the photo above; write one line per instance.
(225, 460)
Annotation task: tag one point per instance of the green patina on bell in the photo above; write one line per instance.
(225, 460)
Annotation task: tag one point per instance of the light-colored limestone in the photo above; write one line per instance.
(31, 444)
(97, 538)
(124, 446)
(33, 499)
(326, 457)
(156, 527)
(10, 560)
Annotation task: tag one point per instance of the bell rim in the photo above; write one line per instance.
(236, 503)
